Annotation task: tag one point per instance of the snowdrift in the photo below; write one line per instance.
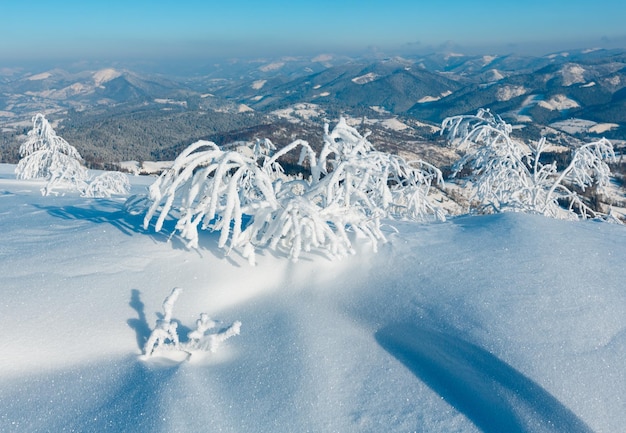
(510, 322)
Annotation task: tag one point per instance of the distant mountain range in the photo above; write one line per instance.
(571, 95)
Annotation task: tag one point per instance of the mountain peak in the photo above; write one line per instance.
(105, 75)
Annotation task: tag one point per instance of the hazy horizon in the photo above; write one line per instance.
(157, 31)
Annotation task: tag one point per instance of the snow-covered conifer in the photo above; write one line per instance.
(45, 155)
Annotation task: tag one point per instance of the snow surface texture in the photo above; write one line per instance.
(507, 322)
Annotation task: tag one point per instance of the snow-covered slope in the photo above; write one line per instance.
(510, 322)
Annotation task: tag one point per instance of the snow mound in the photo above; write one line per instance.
(508, 322)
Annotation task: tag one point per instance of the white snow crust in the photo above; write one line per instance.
(501, 323)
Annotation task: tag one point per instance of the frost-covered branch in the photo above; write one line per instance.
(107, 184)
(351, 188)
(45, 155)
(508, 175)
(164, 337)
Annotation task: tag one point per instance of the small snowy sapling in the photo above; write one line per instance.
(164, 337)
(45, 155)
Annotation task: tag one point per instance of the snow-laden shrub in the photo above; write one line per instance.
(45, 155)
(507, 174)
(107, 184)
(164, 337)
(249, 200)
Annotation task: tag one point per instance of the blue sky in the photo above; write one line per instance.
(118, 29)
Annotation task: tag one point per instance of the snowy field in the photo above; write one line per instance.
(505, 323)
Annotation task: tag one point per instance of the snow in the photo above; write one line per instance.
(506, 93)
(379, 109)
(572, 74)
(272, 67)
(299, 111)
(145, 167)
(394, 124)
(581, 126)
(364, 79)
(615, 80)
(243, 108)
(322, 58)
(559, 102)
(600, 128)
(426, 99)
(258, 84)
(494, 75)
(508, 322)
(105, 75)
(38, 77)
(168, 101)
(488, 59)
(574, 126)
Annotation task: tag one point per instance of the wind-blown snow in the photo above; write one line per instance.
(509, 322)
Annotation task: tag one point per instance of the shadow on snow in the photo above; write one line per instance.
(492, 394)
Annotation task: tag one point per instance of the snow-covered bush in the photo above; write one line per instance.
(164, 337)
(251, 202)
(107, 184)
(507, 174)
(45, 155)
